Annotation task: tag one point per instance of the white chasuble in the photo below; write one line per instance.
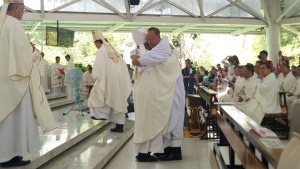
(112, 82)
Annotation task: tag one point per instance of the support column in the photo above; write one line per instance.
(42, 36)
(273, 30)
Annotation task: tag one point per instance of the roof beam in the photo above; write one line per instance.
(127, 7)
(181, 8)
(151, 6)
(143, 8)
(287, 10)
(42, 9)
(244, 30)
(293, 20)
(102, 4)
(246, 8)
(200, 4)
(266, 11)
(291, 29)
(219, 10)
(113, 9)
(78, 17)
(184, 28)
(63, 6)
(35, 26)
(30, 9)
(115, 27)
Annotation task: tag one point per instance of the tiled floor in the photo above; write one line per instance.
(195, 156)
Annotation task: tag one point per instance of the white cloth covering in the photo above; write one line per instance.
(266, 99)
(293, 102)
(296, 91)
(170, 131)
(70, 91)
(287, 83)
(113, 85)
(232, 94)
(248, 90)
(230, 68)
(70, 65)
(57, 78)
(108, 113)
(20, 79)
(250, 87)
(19, 133)
(238, 88)
(43, 68)
(174, 135)
(87, 80)
(18, 72)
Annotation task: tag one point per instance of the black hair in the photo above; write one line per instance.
(98, 41)
(286, 64)
(155, 30)
(236, 59)
(263, 52)
(67, 56)
(11, 7)
(268, 66)
(57, 57)
(249, 67)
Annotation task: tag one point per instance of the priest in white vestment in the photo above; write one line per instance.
(159, 100)
(235, 88)
(286, 78)
(87, 82)
(57, 76)
(293, 99)
(250, 82)
(249, 85)
(70, 65)
(266, 98)
(23, 98)
(139, 37)
(43, 66)
(108, 98)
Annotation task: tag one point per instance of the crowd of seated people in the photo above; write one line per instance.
(254, 88)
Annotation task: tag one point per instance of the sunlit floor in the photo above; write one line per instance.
(195, 156)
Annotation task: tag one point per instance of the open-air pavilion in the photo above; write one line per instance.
(171, 16)
(233, 17)
(80, 142)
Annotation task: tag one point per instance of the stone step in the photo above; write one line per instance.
(52, 96)
(93, 152)
(60, 102)
(72, 129)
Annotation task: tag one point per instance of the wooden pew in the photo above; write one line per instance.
(234, 128)
(195, 127)
(209, 111)
(269, 119)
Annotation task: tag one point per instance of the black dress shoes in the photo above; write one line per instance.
(94, 118)
(171, 153)
(118, 128)
(170, 157)
(16, 161)
(143, 157)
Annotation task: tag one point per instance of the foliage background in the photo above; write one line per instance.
(203, 49)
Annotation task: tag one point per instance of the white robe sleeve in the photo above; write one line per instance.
(158, 54)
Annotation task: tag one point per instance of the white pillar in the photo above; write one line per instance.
(273, 30)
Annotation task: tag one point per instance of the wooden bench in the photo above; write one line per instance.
(195, 127)
(234, 129)
(271, 119)
(209, 111)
